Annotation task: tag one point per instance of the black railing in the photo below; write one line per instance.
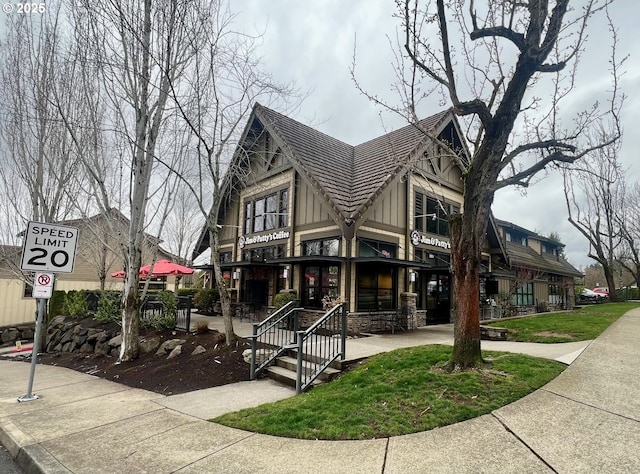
(274, 335)
(152, 308)
(320, 345)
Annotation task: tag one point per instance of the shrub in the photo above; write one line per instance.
(109, 307)
(166, 317)
(75, 304)
(282, 299)
(187, 291)
(202, 327)
(56, 303)
(205, 300)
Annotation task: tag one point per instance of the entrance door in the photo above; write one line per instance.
(257, 292)
(437, 297)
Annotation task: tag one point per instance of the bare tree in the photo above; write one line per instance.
(629, 224)
(594, 194)
(486, 61)
(138, 49)
(37, 162)
(224, 83)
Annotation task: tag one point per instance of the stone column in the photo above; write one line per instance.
(408, 309)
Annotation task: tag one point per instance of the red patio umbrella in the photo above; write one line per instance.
(165, 267)
(161, 268)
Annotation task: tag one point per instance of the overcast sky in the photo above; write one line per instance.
(312, 43)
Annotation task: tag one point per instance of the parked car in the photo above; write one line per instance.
(602, 291)
(591, 296)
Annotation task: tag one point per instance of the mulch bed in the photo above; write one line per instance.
(219, 365)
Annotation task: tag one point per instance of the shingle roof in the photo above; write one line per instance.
(327, 160)
(349, 176)
(521, 255)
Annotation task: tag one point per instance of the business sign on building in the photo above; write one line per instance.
(262, 238)
(418, 238)
(49, 248)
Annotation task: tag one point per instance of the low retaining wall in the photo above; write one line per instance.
(10, 334)
(67, 335)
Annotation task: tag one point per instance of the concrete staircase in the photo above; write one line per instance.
(284, 369)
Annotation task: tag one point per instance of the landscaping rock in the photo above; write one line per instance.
(148, 345)
(116, 341)
(175, 352)
(198, 350)
(261, 355)
(169, 345)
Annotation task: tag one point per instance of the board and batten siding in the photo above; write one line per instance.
(390, 208)
(310, 207)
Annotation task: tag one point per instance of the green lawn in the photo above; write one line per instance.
(577, 325)
(396, 393)
(406, 391)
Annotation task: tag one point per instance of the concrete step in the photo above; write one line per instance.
(285, 376)
(336, 364)
(291, 364)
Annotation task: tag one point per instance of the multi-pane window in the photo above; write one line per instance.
(431, 215)
(267, 212)
(429, 256)
(325, 247)
(263, 254)
(376, 288)
(374, 248)
(555, 289)
(321, 282)
(523, 295)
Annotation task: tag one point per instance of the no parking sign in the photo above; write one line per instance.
(43, 285)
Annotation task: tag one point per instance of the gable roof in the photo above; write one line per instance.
(525, 256)
(350, 177)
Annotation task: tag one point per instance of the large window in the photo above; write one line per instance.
(555, 289)
(431, 215)
(326, 247)
(320, 282)
(436, 259)
(267, 212)
(263, 254)
(376, 288)
(523, 295)
(374, 248)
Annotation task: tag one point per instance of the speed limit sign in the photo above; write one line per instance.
(49, 248)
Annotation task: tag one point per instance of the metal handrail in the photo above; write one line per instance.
(276, 332)
(318, 346)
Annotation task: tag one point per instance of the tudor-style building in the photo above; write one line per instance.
(365, 224)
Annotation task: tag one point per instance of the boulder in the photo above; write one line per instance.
(169, 345)
(148, 345)
(198, 350)
(115, 341)
(175, 352)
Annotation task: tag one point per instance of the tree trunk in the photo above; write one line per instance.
(130, 323)
(223, 290)
(611, 284)
(466, 301)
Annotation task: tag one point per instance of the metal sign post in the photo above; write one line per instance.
(42, 305)
(46, 248)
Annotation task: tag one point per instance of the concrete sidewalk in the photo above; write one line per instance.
(586, 420)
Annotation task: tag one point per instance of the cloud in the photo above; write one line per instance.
(312, 43)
